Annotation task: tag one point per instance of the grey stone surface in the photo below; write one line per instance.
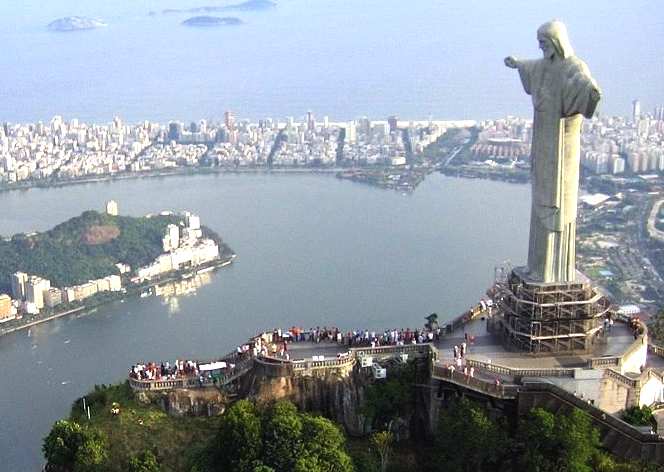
(563, 92)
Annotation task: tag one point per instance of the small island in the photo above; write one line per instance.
(212, 21)
(75, 23)
(98, 257)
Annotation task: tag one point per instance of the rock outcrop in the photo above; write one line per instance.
(188, 402)
(337, 397)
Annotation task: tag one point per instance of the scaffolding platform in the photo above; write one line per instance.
(550, 318)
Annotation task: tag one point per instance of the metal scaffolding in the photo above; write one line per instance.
(550, 318)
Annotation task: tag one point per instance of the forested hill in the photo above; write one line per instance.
(87, 247)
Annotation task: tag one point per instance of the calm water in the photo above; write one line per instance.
(342, 58)
(312, 250)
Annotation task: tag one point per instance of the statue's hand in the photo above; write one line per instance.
(511, 62)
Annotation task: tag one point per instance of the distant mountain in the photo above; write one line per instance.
(207, 21)
(75, 23)
(249, 5)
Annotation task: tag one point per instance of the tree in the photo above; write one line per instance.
(467, 440)
(390, 398)
(579, 442)
(566, 443)
(538, 435)
(69, 446)
(640, 416)
(144, 462)
(238, 441)
(324, 445)
(282, 436)
(278, 438)
(382, 442)
(92, 454)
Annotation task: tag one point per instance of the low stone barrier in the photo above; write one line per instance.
(519, 372)
(474, 383)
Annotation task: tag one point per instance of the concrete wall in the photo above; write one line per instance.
(652, 391)
(635, 357)
(615, 396)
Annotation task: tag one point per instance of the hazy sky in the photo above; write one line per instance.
(342, 58)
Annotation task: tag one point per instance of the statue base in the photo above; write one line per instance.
(550, 318)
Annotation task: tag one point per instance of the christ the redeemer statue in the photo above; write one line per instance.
(563, 92)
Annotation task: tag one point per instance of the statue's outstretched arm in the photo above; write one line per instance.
(511, 62)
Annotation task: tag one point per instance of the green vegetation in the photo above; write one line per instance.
(656, 328)
(558, 443)
(391, 398)
(86, 247)
(439, 150)
(279, 438)
(143, 438)
(140, 438)
(276, 438)
(640, 416)
(382, 442)
(467, 440)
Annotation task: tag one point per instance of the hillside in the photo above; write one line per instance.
(86, 247)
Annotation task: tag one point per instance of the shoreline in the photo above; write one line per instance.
(44, 320)
(166, 173)
(131, 292)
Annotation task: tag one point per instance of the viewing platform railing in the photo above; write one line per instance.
(484, 386)
(520, 372)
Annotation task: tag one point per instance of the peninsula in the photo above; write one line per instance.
(96, 257)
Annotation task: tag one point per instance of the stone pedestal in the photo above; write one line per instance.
(550, 318)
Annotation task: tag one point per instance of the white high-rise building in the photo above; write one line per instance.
(351, 132)
(19, 280)
(112, 208)
(192, 221)
(35, 288)
(636, 111)
(171, 240)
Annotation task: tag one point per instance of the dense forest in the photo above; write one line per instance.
(86, 247)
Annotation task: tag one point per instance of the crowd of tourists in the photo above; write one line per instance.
(164, 371)
(357, 338)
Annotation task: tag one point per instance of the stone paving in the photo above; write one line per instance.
(489, 347)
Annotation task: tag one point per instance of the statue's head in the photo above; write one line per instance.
(553, 40)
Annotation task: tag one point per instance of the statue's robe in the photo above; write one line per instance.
(562, 93)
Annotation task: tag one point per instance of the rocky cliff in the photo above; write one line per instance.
(335, 396)
(184, 402)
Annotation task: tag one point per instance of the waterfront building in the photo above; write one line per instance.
(68, 295)
(53, 297)
(85, 290)
(19, 280)
(112, 208)
(192, 221)
(174, 236)
(6, 308)
(35, 288)
(103, 285)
